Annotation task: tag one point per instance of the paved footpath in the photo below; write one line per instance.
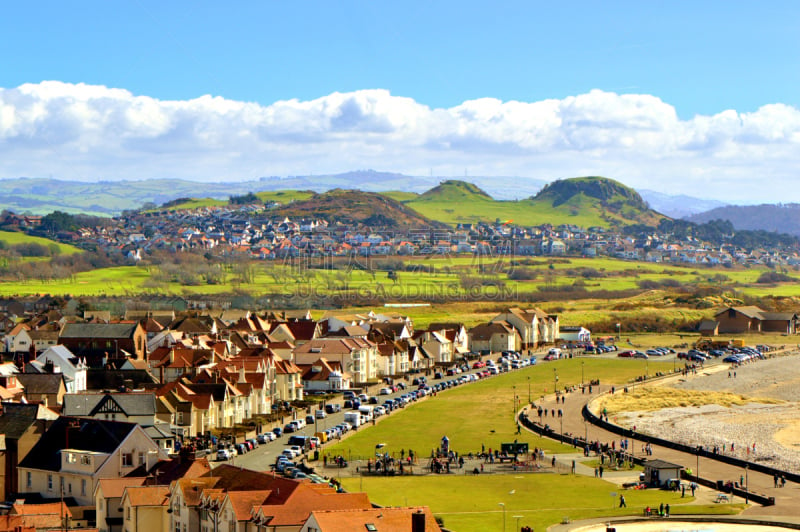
(787, 499)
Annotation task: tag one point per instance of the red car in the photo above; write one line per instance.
(551, 356)
(478, 364)
(626, 354)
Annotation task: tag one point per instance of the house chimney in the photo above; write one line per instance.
(418, 521)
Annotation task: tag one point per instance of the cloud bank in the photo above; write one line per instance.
(87, 132)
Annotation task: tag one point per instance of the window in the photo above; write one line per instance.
(28, 479)
(127, 459)
(69, 487)
(128, 514)
(86, 460)
(141, 458)
(49, 482)
(71, 459)
(83, 486)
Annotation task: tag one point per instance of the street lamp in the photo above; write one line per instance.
(555, 381)
(746, 483)
(529, 390)
(618, 326)
(582, 364)
(514, 399)
(504, 515)
(517, 517)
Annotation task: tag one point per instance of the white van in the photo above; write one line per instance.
(554, 351)
(366, 411)
(353, 419)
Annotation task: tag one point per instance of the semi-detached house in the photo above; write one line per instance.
(75, 453)
(356, 356)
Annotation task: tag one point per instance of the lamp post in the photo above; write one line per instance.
(582, 364)
(746, 483)
(697, 471)
(555, 381)
(618, 327)
(504, 515)
(514, 399)
(585, 432)
(517, 517)
(529, 389)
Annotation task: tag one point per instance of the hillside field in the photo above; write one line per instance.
(13, 238)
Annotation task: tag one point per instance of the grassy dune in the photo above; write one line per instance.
(653, 398)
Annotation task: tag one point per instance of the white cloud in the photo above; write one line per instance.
(78, 131)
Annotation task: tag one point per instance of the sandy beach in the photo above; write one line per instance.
(759, 432)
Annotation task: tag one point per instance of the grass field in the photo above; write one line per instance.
(483, 412)
(13, 238)
(472, 503)
(448, 278)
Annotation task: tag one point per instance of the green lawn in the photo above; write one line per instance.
(471, 503)
(13, 237)
(482, 413)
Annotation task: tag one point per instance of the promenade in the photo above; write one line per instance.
(787, 499)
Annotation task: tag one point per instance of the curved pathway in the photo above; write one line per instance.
(787, 499)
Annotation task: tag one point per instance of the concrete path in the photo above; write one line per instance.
(787, 499)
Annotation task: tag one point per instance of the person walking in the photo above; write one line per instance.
(622, 503)
(666, 510)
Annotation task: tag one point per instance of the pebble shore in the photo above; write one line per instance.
(774, 429)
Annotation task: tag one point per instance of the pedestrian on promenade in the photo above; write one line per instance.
(666, 510)
(622, 503)
(775, 479)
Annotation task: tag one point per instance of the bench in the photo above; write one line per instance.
(721, 497)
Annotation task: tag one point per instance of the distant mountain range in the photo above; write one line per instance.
(679, 206)
(108, 198)
(783, 218)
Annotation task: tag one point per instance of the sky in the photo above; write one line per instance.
(697, 98)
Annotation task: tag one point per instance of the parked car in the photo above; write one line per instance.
(626, 354)
(223, 454)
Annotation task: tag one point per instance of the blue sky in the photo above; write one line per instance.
(698, 58)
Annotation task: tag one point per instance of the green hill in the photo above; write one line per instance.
(14, 238)
(282, 197)
(607, 200)
(355, 206)
(583, 201)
